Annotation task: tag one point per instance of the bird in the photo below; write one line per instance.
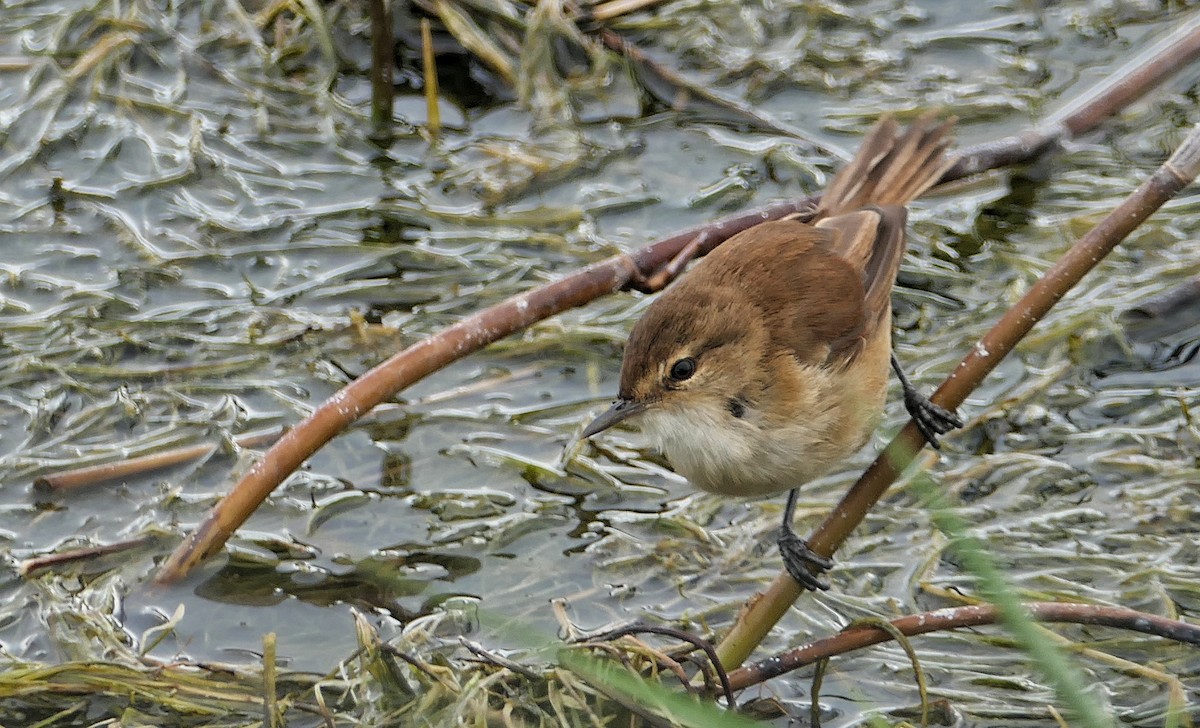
(766, 363)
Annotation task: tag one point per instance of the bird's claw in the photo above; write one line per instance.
(802, 562)
(932, 419)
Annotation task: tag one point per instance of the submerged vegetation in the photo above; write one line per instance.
(206, 234)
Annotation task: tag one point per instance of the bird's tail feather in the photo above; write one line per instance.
(891, 168)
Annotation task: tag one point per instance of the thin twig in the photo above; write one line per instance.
(31, 566)
(498, 660)
(957, 617)
(96, 474)
(697, 642)
(382, 89)
(678, 92)
(416, 664)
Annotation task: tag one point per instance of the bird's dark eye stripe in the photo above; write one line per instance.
(683, 369)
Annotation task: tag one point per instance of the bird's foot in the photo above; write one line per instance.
(932, 419)
(802, 562)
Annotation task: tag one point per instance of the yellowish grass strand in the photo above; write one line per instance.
(434, 124)
(315, 14)
(1058, 719)
(468, 33)
(103, 49)
(905, 644)
(617, 8)
(270, 714)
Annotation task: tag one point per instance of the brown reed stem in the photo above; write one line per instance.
(956, 618)
(270, 699)
(86, 553)
(382, 89)
(96, 474)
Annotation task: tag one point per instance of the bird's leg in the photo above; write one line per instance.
(932, 420)
(800, 561)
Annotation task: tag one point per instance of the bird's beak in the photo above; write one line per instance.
(621, 409)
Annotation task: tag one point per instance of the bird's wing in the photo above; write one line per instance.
(871, 240)
(789, 272)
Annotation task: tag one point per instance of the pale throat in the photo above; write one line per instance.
(723, 454)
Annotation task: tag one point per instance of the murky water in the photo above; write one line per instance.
(197, 239)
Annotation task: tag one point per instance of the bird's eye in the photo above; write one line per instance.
(683, 369)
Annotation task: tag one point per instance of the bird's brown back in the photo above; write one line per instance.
(787, 272)
(824, 285)
(828, 282)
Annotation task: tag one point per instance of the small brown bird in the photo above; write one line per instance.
(767, 363)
